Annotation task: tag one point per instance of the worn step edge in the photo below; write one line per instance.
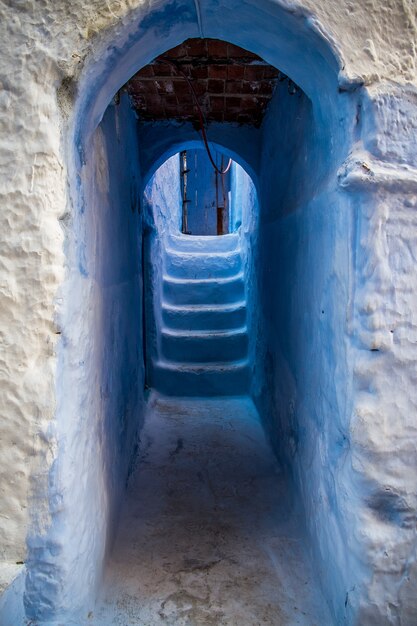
(206, 242)
(203, 281)
(219, 366)
(203, 333)
(188, 254)
(229, 307)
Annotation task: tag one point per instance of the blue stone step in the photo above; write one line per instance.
(203, 291)
(204, 347)
(207, 244)
(204, 317)
(201, 264)
(217, 379)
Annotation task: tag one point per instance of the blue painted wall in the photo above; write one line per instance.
(306, 233)
(162, 218)
(101, 378)
(163, 199)
(159, 141)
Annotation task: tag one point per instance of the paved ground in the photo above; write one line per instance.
(207, 536)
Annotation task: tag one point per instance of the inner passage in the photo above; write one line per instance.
(197, 285)
(207, 204)
(211, 531)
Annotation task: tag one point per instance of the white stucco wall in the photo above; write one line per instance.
(45, 47)
(382, 347)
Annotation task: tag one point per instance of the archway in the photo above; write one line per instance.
(307, 184)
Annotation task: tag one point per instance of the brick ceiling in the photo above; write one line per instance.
(230, 83)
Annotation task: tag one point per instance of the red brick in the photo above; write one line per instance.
(266, 87)
(263, 101)
(270, 72)
(177, 52)
(235, 72)
(154, 102)
(218, 116)
(237, 52)
(160, 86)
(200, 87)
(217, 49)
(182, 88)
(188, 111)
(217, 103)
(217, 71)
(254, 72)
(155, 110)
(185, 68)
(145, 87)
(159, 92)
(204, 103)
(248, 102)
(230, 116)
(145, 71)
(232, 102)
(216, 86)
(250, 87)
(233, 87)
(171, 100)
(200, 71)
(171, 110)
(162, 69)
(165, 86)
(186, 99)
(244, 118)
(135, 84)
(196, 47)
(139, 101)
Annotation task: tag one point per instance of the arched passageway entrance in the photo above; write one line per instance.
(296, 262)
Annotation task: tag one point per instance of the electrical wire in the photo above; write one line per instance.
(201, 118)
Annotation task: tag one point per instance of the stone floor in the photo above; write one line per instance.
(208, 536)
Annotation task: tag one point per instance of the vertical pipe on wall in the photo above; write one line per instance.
(184, 172)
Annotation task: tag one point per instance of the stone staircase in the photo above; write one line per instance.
(202, 336)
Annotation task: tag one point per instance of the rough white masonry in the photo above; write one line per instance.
(383, 427)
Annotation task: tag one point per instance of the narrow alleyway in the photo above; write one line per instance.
(208, 535)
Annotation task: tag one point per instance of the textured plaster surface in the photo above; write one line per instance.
(58, 58)
(12, 585)
(303, 266)
(100, 378)
(384, 427)
(338, 329)
(163, 217)
(208, 534)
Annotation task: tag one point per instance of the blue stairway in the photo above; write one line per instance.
(202, 336)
